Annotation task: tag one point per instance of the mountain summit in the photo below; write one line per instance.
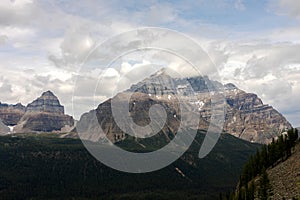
(47, 102)
(45, 114)
(247, 117)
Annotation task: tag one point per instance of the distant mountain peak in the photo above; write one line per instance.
(43, 114)
(162, 71)
(246, 117)
(48, 93)
(47, 102)
(230, 86)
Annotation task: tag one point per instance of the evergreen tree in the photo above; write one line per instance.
(281, 147)
(264, 186)
(267, 156)
(264, 156)
(251, 191)
(272, 153)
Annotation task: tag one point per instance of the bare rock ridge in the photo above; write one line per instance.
(247, 117)
(45, 114)
(11, 114)
(48, 102)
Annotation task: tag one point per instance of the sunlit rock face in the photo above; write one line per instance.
(246, 115)
(248, 118)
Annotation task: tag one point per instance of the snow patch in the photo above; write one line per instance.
(182, 86)
(180, 172)
(199, 103)
(11, 129)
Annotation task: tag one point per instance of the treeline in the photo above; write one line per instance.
(268, 156)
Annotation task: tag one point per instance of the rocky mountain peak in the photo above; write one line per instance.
(44, 114)
(247, 117)
(48, 93)
(47, 102)
(10, 114)
(230, 86)
(161, 72)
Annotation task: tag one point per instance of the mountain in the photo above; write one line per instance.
(247, 117)
(41, 167)
(3, 128)
(45, 114)
(11, 114)
(47, 102)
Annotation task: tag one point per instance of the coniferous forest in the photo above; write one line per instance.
(44, 167)
(254, 181)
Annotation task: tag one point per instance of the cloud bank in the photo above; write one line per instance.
(43, 44)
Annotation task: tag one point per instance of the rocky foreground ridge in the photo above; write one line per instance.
(246, 117)
(285, 177)
(45, 114)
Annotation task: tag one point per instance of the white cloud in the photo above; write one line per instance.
(239, 5)
(45, 42)
(160, 13)
(271, 70)
(291, 34)
(16, 12)
(110, 73)
(3, 39)
(286, 7)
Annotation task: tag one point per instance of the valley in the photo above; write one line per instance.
(43, 167)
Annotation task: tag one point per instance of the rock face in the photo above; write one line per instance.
(247, 117)
(48, 102)
(45, 122)
(45, 114)
(3, 128)
(11, 114)
(139, 106)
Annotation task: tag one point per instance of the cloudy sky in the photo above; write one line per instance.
(254, 44)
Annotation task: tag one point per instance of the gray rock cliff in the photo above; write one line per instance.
(246, 117)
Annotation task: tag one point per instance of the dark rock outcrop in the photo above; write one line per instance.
(139, 106)
(48, 102)
(45, 121)
(3, 128)
(11, 114)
